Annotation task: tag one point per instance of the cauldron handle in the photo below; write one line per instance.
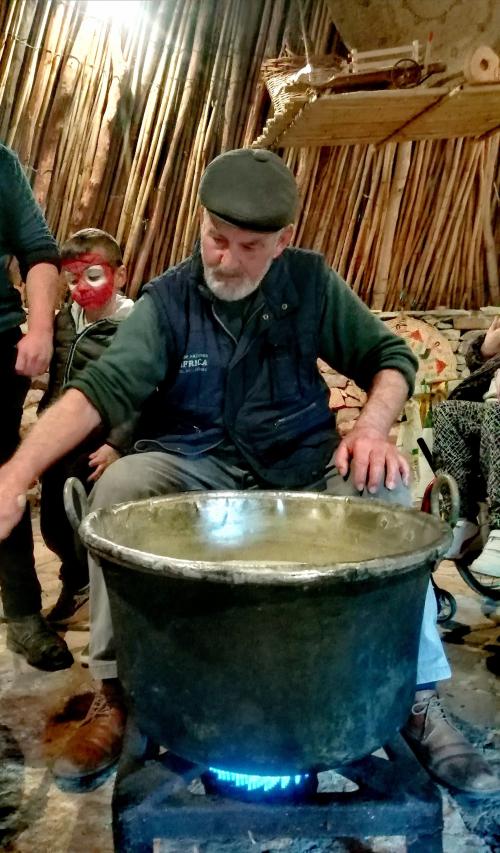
(75, 502)
(445, 483)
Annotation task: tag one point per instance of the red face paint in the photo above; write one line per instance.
(90, 278)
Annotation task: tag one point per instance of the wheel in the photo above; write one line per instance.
(446, 604)
(444, 499)
(485, 585)
(405, 73)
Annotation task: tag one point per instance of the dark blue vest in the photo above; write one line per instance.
(264, 391)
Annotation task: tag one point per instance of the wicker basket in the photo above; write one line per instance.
(278, 75)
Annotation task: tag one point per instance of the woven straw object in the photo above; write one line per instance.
(280, 76)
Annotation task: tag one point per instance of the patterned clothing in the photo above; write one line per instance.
(467, 446)
(475, 386)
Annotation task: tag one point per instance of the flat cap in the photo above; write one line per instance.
(251, 188)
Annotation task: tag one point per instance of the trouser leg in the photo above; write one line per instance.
(457, 433)
(20, 587)
(432, 664)
(489, 455)
(132, 478)
(56, 530)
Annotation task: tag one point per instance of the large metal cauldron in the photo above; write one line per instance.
(269, 632)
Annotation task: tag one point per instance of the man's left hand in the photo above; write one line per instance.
(372, 460)
(34, 352)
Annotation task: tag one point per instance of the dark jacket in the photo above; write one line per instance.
(23, 234)
(263, 390)
(475, 386)
(72, 353)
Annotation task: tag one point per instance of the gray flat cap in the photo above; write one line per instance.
(251, 188)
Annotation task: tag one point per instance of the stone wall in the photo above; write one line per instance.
(458, 326)
(458, 26)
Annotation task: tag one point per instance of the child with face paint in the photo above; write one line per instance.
(92, 266)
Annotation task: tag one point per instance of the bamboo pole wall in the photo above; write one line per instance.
(115, 120)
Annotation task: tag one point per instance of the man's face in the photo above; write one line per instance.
(235, 260)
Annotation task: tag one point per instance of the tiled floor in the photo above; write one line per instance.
(36, 715)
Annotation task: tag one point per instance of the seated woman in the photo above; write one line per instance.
(467, 446)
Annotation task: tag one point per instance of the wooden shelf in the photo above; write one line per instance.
(392, 115)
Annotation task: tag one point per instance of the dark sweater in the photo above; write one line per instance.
(24, 234)
(73, 351)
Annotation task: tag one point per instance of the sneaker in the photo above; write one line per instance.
(488, 562)
(464, 533)
(96, 744)
(38, 643)
(444, 752)
(71, 608)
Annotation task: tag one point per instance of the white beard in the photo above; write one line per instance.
(231, 289)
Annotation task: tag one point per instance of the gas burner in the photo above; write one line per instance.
(164, 797)
(253, 786)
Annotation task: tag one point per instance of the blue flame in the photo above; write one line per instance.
(252, 782)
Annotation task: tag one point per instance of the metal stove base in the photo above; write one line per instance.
(151, 802)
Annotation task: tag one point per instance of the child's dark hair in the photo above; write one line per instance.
(88, 240)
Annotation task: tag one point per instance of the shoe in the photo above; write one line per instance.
(488, 562)
(71, 608)
(96, 745)
(39, 644)
(464, 533)
(443, 751)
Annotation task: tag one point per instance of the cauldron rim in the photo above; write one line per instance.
(254, 572)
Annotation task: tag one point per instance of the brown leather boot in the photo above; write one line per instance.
(444, 752)
(97, 743)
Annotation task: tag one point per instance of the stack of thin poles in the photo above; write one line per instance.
(116, 119)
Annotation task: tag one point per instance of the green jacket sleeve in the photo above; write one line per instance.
(355, 342)
(127, 373)
(29, 237)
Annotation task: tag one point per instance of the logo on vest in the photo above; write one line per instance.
(194, 362)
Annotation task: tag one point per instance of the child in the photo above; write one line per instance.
(91, 262)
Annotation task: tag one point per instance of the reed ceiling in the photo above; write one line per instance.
(116, 115)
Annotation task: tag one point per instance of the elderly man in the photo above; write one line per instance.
(224, 348)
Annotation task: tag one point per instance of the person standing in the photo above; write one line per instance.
(24, 235)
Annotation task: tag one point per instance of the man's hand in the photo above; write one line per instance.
(100, 459)
(372, 459)
(12, 503)
(34, 352)
(60, 428)
(491, 343)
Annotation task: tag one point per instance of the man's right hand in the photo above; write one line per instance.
(12, 503)
(34, 352)
(60, 428)
(491, 344)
